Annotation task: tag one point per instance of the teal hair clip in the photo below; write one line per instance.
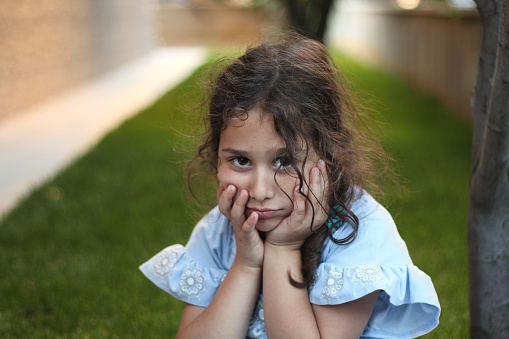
(334, 221)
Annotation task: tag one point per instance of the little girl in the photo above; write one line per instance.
(296, 247)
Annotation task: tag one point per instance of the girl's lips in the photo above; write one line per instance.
(262, 213)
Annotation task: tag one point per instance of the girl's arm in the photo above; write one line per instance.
(229, 312)
(288, 312)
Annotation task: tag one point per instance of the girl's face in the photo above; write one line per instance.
(251, 155)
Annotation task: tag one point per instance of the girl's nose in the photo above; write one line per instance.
(262, 185)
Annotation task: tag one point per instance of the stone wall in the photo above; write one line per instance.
(48, 46)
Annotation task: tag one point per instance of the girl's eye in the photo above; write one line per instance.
(282, 163)
(241, 161)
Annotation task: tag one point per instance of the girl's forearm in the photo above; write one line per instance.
(287, 310)
(229, 313)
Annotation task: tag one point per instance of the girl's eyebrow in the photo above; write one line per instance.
(274, 151)
(235, 151)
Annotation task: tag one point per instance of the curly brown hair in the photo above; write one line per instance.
(296, 81)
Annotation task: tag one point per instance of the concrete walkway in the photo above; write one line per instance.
(39, 142)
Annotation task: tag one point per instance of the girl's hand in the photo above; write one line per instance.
(250, 246)
(296, 228)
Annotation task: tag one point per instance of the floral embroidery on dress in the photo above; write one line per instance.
(165, 261)
(333, 284)
(257, 323)
(368, 274)
(191, 281)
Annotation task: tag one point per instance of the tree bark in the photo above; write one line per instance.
(322, 25)
(309, 17)
(488, 220)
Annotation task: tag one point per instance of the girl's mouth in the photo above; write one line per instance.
(263, 213)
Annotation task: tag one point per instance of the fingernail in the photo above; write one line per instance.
(321, 163)
(230, 188)
(316, 172)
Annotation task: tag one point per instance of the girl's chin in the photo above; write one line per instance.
(266, 225)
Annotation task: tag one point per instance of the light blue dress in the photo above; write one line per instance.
(378, 259)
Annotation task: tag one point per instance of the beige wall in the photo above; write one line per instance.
(432, 49)
(211, 25)
(48, 46)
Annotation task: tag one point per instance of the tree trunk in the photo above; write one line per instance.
(322, 25)
(309, 17)
(488, 219)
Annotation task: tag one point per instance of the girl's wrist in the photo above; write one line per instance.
(289, 253)
(286, 247)
(287, 258)
(246, 266)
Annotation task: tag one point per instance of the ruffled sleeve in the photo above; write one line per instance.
(193, 273)
(378, 259)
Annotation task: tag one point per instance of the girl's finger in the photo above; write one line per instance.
(319, 189)
(324, 178)
(299, 202)
(313, 186)
(238, 208)
(225, 199)
(250, 223)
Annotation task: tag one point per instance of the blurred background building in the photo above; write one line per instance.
(432, 44)
(49, 46)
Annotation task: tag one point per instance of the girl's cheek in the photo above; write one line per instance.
(289, 186)
(223, 177)
(228, 177)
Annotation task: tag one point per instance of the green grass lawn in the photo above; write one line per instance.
(432, 149)
(69, 252)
